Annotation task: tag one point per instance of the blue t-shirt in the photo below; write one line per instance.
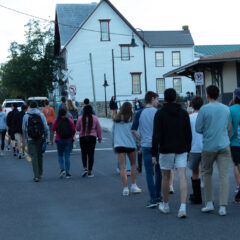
(143, 122)
(234, 118)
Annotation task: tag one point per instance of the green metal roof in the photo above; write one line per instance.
(209, 50)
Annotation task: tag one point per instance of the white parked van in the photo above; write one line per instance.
(39, 100)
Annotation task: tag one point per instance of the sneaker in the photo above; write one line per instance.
(90, 175)
(1, 153)
(222, 211)
(208, 208)
(85, 172)
(20, 155)
(163, 209)
(159, 200)
(151, 204)
(135, 189)
(182, 214)
(36, 179)
(125, 191)
(8, 147)
(237, 197)
(118, 170)
(62, 173)
(68, 175)
(171, 190)
(23, 155)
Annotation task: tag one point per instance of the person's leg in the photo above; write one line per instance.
(3, 134)
(91, 149)
(183, 184)
(222, 161)
(132, 159)
(165, 184)
(32, 150)
(67, 151)
(83, 146)
(158, 182)
(171, 189)
(40, 157)
(123, 172)
(60, 148)
(139, 157)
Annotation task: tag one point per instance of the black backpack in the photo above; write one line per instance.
(65, 128)
(35, 126)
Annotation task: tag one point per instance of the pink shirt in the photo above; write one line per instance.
(96, 130)
(54, 128)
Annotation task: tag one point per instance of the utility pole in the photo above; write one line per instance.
(105, 84)
(93, 84)
(114, 82)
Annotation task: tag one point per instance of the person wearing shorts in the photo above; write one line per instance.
(172, 137)
(233, 132)
(194, 157)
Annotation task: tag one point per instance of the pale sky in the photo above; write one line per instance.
(210, 21)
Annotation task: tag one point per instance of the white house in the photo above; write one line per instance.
(100, 29)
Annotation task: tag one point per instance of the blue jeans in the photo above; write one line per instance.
(154, 187)
(64, 147)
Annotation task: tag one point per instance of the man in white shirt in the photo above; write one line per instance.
(195, 153)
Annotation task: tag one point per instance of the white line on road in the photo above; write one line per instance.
(78, 150)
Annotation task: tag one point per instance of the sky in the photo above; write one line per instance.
(210, 21)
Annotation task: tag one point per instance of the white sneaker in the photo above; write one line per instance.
(135, 189)
(171, 190)
(163, 209)
(208, 208)
(222, 211)
(182, 213)
(1, 153)
(125, 191)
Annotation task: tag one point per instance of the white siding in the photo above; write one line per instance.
(229, 77)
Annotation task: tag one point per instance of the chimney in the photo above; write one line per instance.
(185, 28)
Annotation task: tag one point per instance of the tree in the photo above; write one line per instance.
(31, 68)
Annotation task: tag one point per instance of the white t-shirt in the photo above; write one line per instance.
(197, 139)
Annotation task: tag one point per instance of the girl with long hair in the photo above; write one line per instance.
(65, 131)
(125, 144)
(89, 130)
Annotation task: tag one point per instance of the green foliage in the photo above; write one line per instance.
(31, 66)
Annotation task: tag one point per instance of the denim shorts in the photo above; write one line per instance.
(170, 161)
(194, 161)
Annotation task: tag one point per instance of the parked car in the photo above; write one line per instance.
(7, 104)
(40, 101)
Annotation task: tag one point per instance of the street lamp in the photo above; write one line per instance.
(105, 92)
(133, 44)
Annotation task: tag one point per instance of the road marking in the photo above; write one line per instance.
(79, 150)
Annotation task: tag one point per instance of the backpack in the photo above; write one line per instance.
(74, 114)
(64, 128)
(35, 126)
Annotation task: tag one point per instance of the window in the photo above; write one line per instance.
(104, 27)
(176, 61)
(160, 83)
(125, 52)
(177, 84)
(159, 59)
(136, 83)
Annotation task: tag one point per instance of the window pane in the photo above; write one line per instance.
(159, 59)
(104, 31)
(177, 85)
(125, 53)
(136, 83)
(176, 59)
(160, 85)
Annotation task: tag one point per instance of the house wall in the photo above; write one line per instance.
(229, 77)
(208, 78)
(85, 42)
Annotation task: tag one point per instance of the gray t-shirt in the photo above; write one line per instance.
(212, 122)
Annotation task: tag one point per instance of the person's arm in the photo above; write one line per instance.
(45, 125)
(230, 126)
(188, 132)
(200, 122)
(135, 125)
(99, 130)
(24, 125)
(156, 136)
(79, 124)
(53, 129)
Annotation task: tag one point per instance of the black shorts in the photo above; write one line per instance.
(235, 151)
(124, 150)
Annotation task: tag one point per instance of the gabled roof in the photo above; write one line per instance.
(70, 17)
(209, 50)
(235, 55)
(168, 38)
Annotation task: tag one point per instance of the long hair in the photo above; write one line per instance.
(125, 114)
(70, 105)
(112, 99)
(87, 114)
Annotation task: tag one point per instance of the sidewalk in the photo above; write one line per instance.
(106, 124)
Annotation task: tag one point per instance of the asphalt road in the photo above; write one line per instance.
(83, 208)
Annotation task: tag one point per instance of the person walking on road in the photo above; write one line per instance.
(137, 104)
(195, 153)
(10, 124)
(50, 117)
(125, 144)
(212, 123)
(3, 129)
(172, 137)
(142, 129)
(35, 130)
(234, 135)
(86, 102)
(113, 106)
(89, 131)
(18, 134)
(65, 131)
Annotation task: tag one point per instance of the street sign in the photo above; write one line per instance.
(199, 78)
(72, 91)
(66, 75)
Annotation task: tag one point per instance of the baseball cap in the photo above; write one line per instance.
(237, 93)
